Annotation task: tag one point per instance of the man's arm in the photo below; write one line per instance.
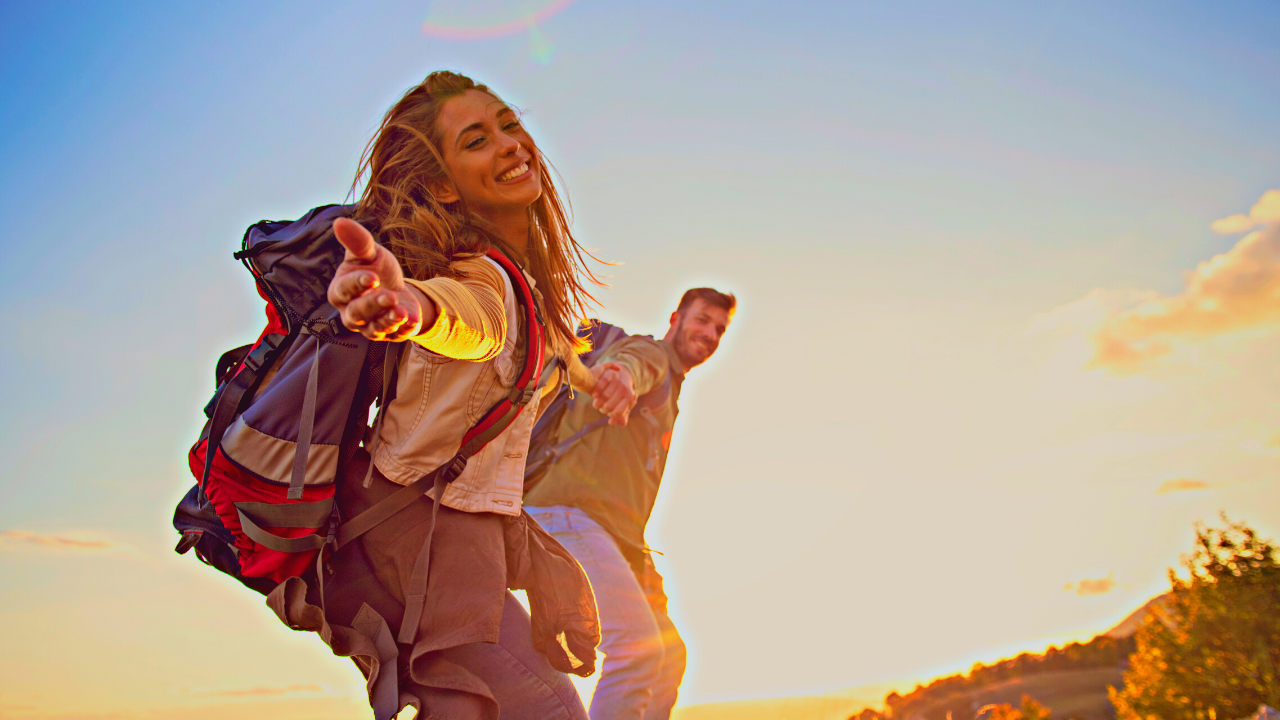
(644, 358)
(630, 368)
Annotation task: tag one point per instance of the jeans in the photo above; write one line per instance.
(644, 657)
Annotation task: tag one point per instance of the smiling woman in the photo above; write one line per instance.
(452, 169)
(480, 283)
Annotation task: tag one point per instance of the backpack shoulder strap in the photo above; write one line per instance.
(229, 398)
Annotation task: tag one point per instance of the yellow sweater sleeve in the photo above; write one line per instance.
(471, 322)
(580, 378)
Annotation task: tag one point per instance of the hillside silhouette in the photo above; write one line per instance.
(1072, 680)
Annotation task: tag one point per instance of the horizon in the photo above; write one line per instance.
(1006, 324)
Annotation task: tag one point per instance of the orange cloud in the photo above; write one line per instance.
(264, 691)
(1181, 485)
(1237, 290)
(1267, 209)
(1087, 587)
(1233, 225)
(1263, 212)
(58, 542)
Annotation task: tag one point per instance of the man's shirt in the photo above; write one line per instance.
(612, 473)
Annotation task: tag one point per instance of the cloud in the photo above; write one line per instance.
(1233, 225)
(1267, 209)
(1235, 291)
(1181, 485)
(1263, 212)
(264, 691)
(57, 542)
(1087, 587)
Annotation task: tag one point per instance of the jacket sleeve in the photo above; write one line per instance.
(471, 323)
(644, 357)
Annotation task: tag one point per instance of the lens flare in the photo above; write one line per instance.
(462, 20)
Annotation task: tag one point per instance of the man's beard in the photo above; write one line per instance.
(686, 350)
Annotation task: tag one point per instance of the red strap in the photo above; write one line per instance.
(524, 294)
(500, 416)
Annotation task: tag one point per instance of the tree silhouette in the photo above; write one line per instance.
(1213, 652)
(1029, 710)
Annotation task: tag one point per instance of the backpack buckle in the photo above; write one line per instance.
(522, 397)
(455, 467)
(257, 357)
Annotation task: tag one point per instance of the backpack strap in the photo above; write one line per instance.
(232, 394)
(491, 425)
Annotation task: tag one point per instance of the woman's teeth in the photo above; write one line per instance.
(514, 173)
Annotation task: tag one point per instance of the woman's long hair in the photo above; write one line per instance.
(401, 163)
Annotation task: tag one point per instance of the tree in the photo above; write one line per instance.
(1213, 652)
(1029, 710)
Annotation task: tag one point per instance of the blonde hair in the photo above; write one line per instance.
(403, 161)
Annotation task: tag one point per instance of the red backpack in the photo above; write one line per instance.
(292, 408)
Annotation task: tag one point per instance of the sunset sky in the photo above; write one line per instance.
(1009, 322)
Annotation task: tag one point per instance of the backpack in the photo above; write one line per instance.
(291, 409)
(545, 445)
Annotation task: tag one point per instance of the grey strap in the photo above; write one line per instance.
(305, 543)
(394, 503)
(305, 425)
(416, 595)
(288, 515)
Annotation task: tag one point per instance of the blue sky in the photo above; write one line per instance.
(903, 196)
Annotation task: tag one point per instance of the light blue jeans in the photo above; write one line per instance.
(644, 657)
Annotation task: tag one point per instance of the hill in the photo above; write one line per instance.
(835, 705)
(1072, 681)
(1130, 625)
(1068, 693)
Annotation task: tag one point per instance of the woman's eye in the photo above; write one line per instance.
(473, 144)
(513, 125)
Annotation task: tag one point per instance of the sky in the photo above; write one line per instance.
(1009, 285)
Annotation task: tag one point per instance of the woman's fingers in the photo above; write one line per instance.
(364, 259)
(383, 315)
(349, 286)
(363, 310)
(614, 395)
(356, 239)
(607, 388)
(614, 402)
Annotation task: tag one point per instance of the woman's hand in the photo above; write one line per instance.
(369, 291)
(614, 394)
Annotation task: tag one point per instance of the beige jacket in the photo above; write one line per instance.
(451, 375)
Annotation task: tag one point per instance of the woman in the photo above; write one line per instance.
(451, 174)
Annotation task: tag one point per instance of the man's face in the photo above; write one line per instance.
(696, 332)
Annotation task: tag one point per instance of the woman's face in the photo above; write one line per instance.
(489, 155)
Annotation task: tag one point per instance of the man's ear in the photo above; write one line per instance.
(443, 191)
(675, 318)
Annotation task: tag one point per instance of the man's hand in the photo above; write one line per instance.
(369, 291)
(615, 392)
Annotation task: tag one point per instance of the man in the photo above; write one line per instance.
(596, 499)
